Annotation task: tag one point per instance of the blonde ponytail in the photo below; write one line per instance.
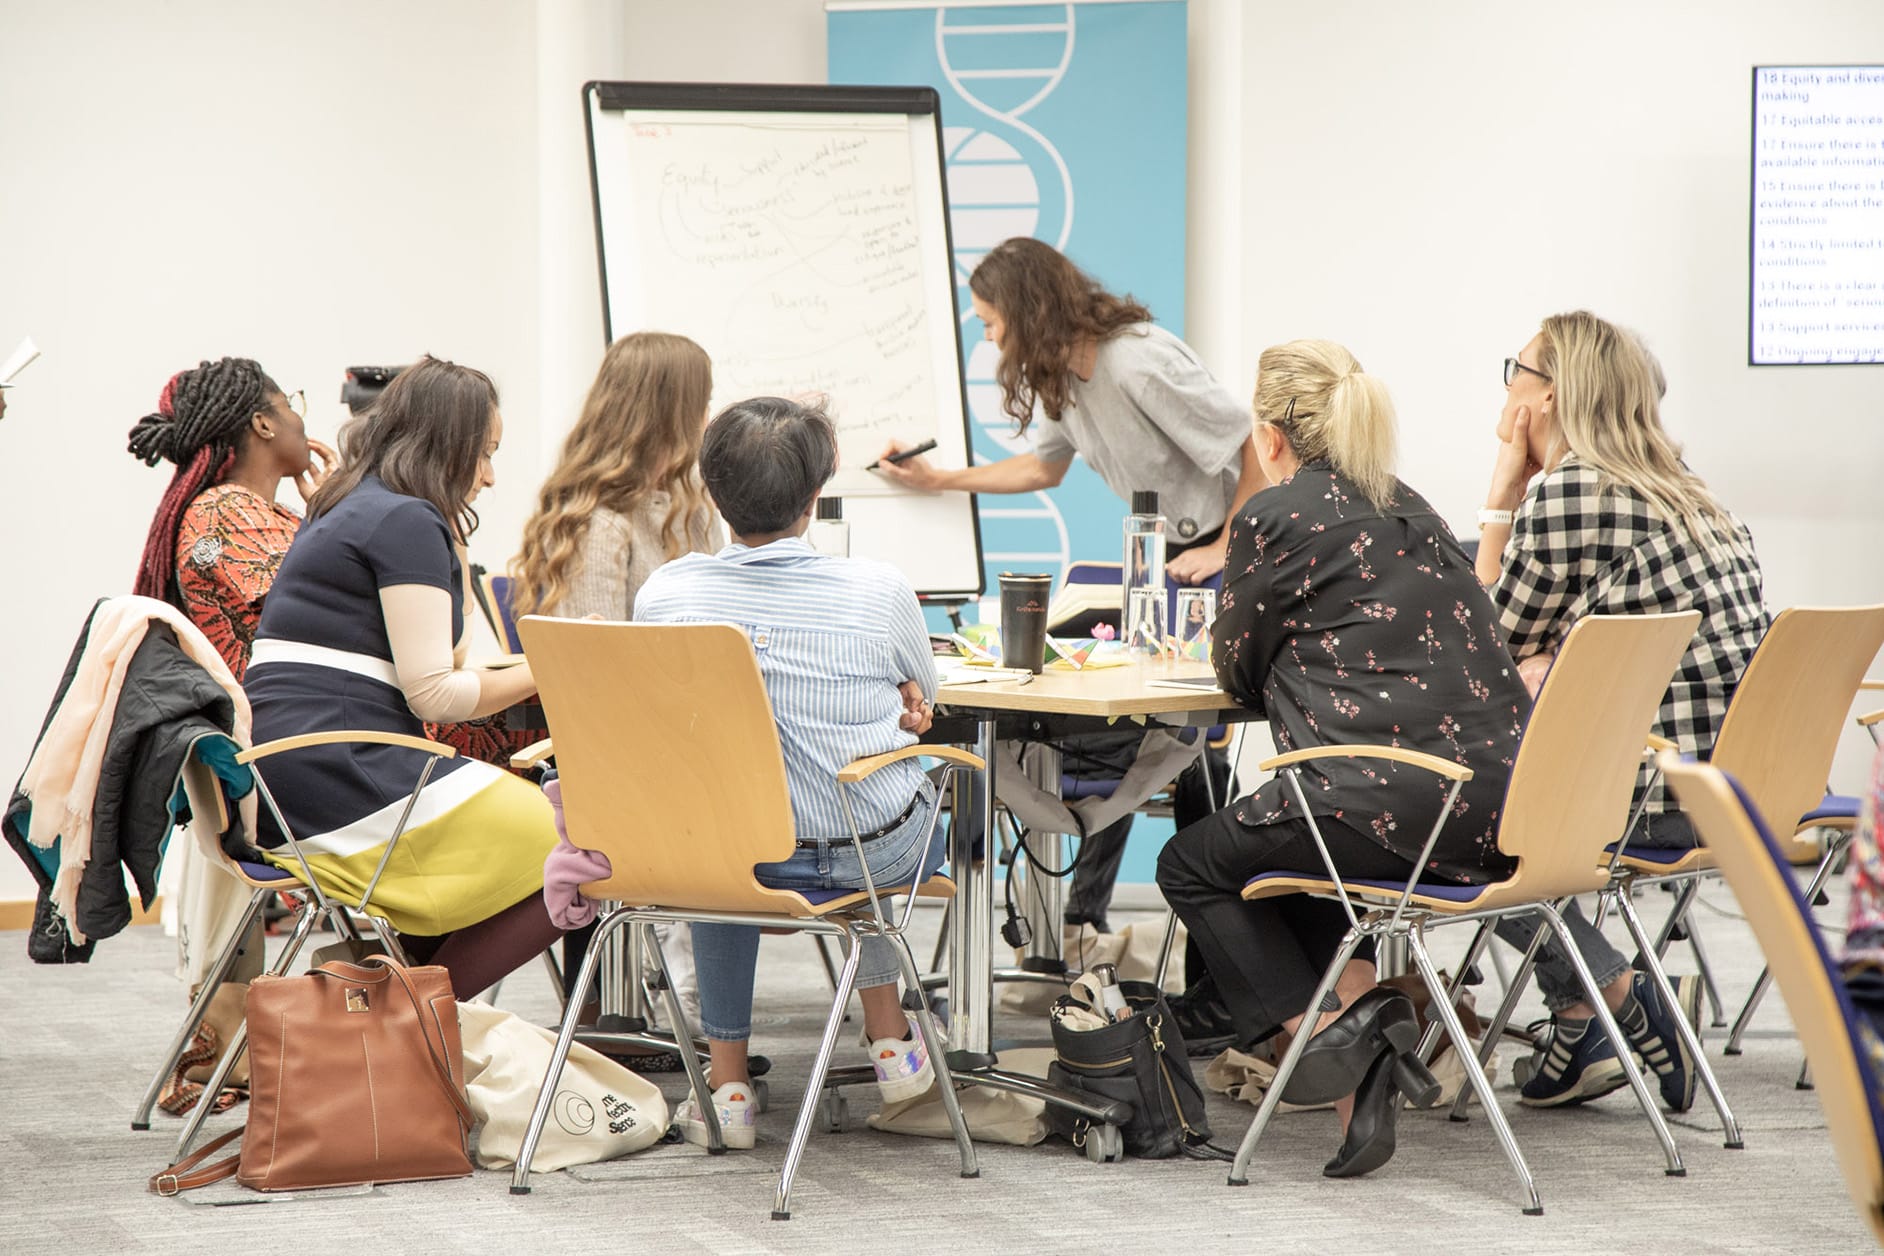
(1331, 409)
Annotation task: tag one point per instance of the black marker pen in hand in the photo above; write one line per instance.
(903, 455)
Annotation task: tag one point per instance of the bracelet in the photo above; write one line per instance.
(1488, 517)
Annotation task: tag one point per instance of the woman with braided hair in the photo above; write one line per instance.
(218, 534)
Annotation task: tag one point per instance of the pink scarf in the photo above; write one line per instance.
(566, 870)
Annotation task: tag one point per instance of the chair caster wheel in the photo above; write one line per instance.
(1105, 1144)
(761, 1094)
(836, 1109)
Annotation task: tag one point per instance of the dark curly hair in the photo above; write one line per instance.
(199, 424)
(1049, 306)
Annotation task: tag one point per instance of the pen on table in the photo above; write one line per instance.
(902, 455)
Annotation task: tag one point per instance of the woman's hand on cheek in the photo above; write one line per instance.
(320, 465)
(1513, 469)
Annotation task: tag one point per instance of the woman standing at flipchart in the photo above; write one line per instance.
(1116, 389)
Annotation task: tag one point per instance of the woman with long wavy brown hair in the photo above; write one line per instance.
(625, 496)
(1114, 388)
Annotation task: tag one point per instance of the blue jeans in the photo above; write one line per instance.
(1556, 975)
(726, 957)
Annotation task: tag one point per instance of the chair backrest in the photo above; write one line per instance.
(669, 759)
(497, 597)
(1755, 866)
(1576, 768)
(1787, 713)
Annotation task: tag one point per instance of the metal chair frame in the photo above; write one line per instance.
(320, 906)
(568, 655)
(1634, 656)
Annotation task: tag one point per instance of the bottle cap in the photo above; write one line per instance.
(830, 508)
(1144, 502)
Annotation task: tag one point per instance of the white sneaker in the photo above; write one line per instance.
(902, 1064)
(739, 1118)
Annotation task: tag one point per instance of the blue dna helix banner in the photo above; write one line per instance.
(1061, 121)
(1065, 122)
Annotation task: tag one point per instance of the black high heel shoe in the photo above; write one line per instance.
(1370, 1139)
(1335, 1061)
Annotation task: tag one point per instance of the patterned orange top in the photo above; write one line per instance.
(229, 543)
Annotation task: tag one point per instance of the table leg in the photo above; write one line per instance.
(1043, 896)
(971, 987)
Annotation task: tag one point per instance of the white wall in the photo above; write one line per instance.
(311, 186)
(360, 182)
(1425, 182)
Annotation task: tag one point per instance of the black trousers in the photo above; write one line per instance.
(1267, 956)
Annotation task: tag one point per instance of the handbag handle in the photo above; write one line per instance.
(439, 1067)
(178, 1178)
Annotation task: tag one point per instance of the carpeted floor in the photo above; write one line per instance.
(78, 1046)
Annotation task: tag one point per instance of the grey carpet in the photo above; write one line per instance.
(79, 1044)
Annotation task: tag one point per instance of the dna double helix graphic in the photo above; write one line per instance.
(1005, 179)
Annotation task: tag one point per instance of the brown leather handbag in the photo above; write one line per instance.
(356, 1075)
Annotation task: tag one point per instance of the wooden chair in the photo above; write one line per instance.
(1778, 740)
(496, 605)
(1569, 794)
(1838, 1041)
(670, 765)
(1836, 815)
(207, 800)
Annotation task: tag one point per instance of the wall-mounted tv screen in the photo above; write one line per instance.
(1818, 215)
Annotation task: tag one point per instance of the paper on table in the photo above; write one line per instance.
(18, 360)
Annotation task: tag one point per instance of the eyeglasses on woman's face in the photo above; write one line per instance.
(1513, 366)
(297, 401)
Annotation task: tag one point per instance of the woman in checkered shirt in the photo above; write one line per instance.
(1612, 522)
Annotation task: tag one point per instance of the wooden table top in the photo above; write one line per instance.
(1109, 692)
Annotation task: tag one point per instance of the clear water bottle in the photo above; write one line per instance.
(1144, 601)
(830, 533)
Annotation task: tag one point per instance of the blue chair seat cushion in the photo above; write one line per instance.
(263, 872)
(1832, 807)
(1444, 891)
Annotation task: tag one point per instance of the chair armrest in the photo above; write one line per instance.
(1419, 759)
(1865, 721)
(532, 754)
(1659, 743)
(1871, 682)
(857, 769)
(342, 736)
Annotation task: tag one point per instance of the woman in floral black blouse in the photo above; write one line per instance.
(1350, 616)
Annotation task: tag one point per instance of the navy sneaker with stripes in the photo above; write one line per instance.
(1575, 1062)
(1655, 1036)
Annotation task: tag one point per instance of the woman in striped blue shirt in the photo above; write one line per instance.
(845, 657)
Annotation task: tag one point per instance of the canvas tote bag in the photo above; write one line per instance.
(600, 1109)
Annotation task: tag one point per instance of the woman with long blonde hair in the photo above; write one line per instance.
(625, 496)
(1592, 511)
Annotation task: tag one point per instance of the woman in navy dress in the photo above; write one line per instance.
(358, 633)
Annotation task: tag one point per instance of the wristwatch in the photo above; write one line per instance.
(1488, 517)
